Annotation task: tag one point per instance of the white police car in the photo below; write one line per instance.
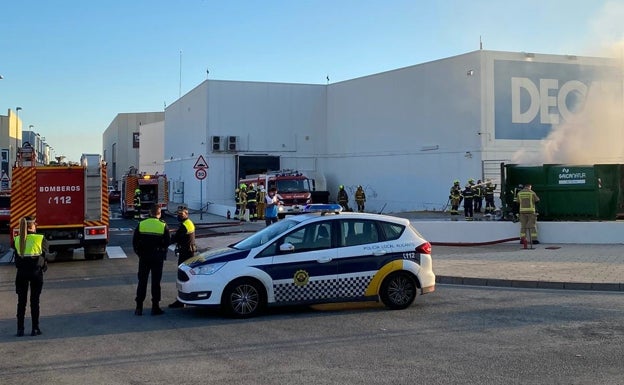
(313, 258)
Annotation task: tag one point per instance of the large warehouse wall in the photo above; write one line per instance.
(286, 120)
(404, 134)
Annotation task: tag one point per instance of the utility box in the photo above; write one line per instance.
(569, 192)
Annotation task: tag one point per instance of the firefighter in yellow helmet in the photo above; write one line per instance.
(242, 201)
(137, 203)
(252, 195)
(343, 198)
(527, 199)
(360, 198)
(455, 196)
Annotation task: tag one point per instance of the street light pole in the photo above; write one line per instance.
(17, 126)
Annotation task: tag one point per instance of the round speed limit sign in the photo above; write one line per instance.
(201, 173)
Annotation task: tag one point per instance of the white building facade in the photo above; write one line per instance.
(404, 135)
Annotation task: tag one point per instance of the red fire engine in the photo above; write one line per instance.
(294, 188)
(69, 202)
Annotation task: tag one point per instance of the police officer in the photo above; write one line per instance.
(527, 198)
(251, 202)
(150, 241)
(455, 196)
(137, 203)
(343, 198)
(360, 198)
(468, 195)
(31, 264)
(184, 238)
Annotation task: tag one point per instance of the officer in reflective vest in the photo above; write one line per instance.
(31, 264)
(150, 241)
(184, 238)
(527, 198)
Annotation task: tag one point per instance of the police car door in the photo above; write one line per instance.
(303, 268)
(362, 254)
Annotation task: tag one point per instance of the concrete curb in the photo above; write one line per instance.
(528, 284)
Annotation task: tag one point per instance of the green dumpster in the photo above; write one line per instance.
(569, 192)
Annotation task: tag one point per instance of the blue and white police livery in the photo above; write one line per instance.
(311, 258)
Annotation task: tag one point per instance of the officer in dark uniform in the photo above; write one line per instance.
(184, 238)
(31, 264)
(150, 241)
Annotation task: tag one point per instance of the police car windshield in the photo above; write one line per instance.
(265, 235)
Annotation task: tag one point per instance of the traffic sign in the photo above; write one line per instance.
(200, 163)
(201, 173)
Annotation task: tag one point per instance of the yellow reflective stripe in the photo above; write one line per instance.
(373, 286)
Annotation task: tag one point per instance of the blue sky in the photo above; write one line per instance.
(74, 65)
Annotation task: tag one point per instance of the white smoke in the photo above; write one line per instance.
(597, 133)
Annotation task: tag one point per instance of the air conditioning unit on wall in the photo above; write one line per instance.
(217, 143)
(232, 143)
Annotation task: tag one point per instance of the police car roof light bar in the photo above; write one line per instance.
(323, 208)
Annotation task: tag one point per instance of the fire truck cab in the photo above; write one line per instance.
(295, 190)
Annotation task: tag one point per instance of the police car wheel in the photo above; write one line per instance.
(243, 298)
(398, 290)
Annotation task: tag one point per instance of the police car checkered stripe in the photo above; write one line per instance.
(346, 286)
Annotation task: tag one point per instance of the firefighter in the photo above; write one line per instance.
(343, 198)
(242, 201)
(252, 195)
(261, 204)
(515, 206)
(527, 198)
(455, 196)
(489, 197)
(236, 200)
(137, 203)
(360, 198)
(468, 195)
(478, 196)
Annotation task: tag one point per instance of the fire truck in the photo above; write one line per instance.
(294, 188)
(69, 202)
(153, 190)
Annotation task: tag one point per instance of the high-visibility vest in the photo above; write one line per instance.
(152, 226)
(527, 202)
(33, 247)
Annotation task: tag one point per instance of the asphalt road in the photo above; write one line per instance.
(457, 335)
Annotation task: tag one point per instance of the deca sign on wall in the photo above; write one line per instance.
(531, 98)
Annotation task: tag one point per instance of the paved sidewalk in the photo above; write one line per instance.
(554, 266)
